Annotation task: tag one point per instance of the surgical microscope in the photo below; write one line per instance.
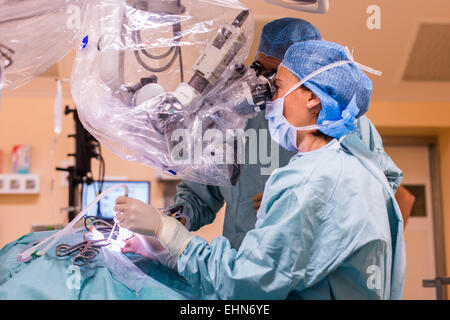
(212, 66)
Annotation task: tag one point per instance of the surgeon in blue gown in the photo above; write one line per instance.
(201, 203)
(329, 226)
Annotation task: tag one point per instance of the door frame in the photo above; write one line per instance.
(436, 196)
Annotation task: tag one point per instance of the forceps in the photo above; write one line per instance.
(87, 250)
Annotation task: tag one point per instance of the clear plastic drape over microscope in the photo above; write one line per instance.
(161, 83)
(34, 35)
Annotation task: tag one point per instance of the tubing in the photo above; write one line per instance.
(24, 256)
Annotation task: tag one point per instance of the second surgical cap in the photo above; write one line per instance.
(344, 90)
(277, 36)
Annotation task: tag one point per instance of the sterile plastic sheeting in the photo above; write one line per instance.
(34, 35)
(166, 276)
(130, 69)
(124, 270)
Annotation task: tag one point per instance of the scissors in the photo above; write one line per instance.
(87, 250)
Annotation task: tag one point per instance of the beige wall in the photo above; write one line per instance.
(444, 146)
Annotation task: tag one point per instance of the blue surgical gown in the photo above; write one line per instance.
(202, 202)
(328, 228)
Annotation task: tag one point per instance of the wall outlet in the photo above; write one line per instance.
(19, 183)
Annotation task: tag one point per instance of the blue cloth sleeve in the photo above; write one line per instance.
(274, 258)
(255, 270)
(372, 139)
(200, 203)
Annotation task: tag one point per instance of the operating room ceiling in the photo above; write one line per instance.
(400, 49)
(411, 48)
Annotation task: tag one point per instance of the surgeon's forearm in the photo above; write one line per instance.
(372, 139)
(200, 203)
(224, 273)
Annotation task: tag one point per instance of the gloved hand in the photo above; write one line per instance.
(137, 216)
(257, 201)
(145, 219)
(151, 248)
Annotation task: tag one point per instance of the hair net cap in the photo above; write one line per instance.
(277, 36)
(344, 91)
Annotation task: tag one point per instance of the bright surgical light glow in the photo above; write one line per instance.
(119, 243)
(116, 244)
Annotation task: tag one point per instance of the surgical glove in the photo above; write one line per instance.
(137, 216)
(150, 247)
(144, 219)
(257, 201)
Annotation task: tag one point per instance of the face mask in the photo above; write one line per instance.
(280, 129)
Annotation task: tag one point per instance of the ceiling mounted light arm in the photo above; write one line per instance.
(311, 6)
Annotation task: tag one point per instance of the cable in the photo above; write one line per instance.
(136, 36)
(7, 57)
(152, 69)
(176, 50)
(101, 177)
(145, 52)
(94, 222)
(102, 166)
(181, 65)
(176, 28)
(81, 193)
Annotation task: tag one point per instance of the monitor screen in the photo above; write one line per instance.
(104, 209)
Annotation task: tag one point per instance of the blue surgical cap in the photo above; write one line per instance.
(277, 36)
(344, 91)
